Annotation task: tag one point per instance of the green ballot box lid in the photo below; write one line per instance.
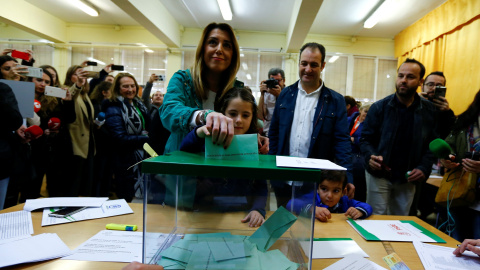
(183, 163)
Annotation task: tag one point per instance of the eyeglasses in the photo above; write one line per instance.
(431, 84)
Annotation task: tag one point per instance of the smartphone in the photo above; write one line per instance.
(33, 72)
(440, 91)
(117, 67)
(92, 63)
(65, 212)
(93, 74)
(21, 55)
(55, 92)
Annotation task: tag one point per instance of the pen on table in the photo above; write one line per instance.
(121, 227)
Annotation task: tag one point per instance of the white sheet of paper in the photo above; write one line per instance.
(442, 258)
(393, 230)
(15, 224)
(108, 209)
(37, 248)
(308, 163)
(110, 246)
(336, 249)
(31, 205)
(354, 262)
(55, 92)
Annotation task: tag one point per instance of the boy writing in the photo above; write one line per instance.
(331, 198)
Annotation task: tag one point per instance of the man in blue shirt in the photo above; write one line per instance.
(394, 142)
(310, 120)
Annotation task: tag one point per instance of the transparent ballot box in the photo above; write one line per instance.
(194, 208)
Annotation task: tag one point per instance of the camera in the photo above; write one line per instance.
(473, 155)
(271, 83)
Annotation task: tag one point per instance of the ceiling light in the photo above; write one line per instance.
(86, 7)
(377, 14)
(242, 55)
(333, 58)
(249, 77)
(225, 9)
(148, 50)
(244, 65)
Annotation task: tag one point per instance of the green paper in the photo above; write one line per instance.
(227, 249)
(366, 234)
(171, 264)
(180, 251)
(243, 147)
(202, 258)
(275, 259)
(273, 228)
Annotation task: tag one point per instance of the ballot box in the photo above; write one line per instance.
(195, 210)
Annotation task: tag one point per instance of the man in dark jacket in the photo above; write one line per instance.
(310, 119)
(394, 141)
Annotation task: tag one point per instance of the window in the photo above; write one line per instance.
(387, 74)
(336, 74)
(363, 78)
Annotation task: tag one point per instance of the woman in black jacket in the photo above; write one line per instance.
(127, 121)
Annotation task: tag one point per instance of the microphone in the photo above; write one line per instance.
(54, 124)
(100, 120)
(36, 106)
(33, 132)
(441, 149)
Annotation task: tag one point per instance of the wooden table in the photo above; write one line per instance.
(74, 234)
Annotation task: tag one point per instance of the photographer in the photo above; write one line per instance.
(445, 116)
(270, 89)
(464, 138)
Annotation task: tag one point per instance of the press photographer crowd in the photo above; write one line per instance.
(85, 132)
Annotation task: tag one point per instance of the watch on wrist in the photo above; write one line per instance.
(201, 118)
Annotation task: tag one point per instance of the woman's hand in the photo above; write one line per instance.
(448, 164)
(221, 128)
(256, 219)
(470, 165)
(202, 132)
(263, 143)
(68, 96)
(82, 77)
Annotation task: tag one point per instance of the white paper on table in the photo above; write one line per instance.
(392, 230)
(108, 209)
(5, 241)
(15, 224)
(37, 248)
(355, 262)
(31, 205)
(309, 163)
(442, 258)
(110, 246)
(336, 249)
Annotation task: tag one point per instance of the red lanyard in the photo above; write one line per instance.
(355, 126)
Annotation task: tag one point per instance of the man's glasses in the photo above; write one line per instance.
(431, 84)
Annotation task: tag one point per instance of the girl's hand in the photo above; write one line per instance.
(82, 77)
(221, 128)
(470, 165)
(448, 164)
(470, 244)
(263, 144)
(68, 96)
(256, 219)
(322, 214)
(202, 132)
(354, 213)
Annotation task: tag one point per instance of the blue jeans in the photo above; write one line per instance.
(387, 198)
(3, 191)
